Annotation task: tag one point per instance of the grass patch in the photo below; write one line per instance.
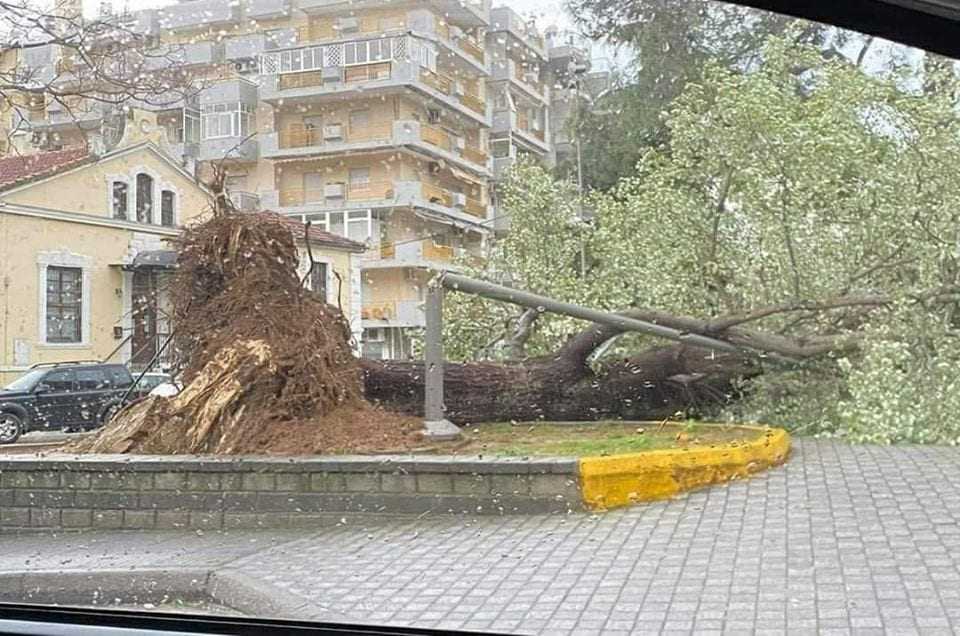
(590, 439)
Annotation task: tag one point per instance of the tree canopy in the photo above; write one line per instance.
(819, 206)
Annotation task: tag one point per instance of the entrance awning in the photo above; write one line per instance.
(154, 259)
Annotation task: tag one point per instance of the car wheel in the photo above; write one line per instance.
(107, 413)
(11, 427)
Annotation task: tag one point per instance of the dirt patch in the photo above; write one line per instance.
(592, 439)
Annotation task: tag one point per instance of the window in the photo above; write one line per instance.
(144, 198)
(119, 377)
(60, 381)
(190, 132)
(92, 380)
(230, 119)
(64, 300)
(167, 199)
(359, 178)
(317, 220)
(121, 193)
(318, 279)
(359, 225)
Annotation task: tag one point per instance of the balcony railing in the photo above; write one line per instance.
(319, 32)
(426, 249)
(405, 312)
(245, 201)
(446, 85)
(523, 123)
(475, 155)
(310, 137)
(370, 191)
(436, 194)
(472, 48)
(385, 310)
(356, 73)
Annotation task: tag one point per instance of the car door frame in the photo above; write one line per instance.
(61, 407)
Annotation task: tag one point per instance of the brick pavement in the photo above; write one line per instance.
(842, 539)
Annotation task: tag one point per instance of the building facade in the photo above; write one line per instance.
(383, 121)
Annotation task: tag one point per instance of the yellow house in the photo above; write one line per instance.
(84, 251)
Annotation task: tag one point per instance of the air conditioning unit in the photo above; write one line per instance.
(245, 67)
(459, 200)
(330, 74)
(334, 190)
(333, 132)
(348, 25)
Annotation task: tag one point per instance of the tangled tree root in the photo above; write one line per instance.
(267, 365)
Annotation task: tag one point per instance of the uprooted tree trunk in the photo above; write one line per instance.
(654, 383)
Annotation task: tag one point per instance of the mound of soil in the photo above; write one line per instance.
(267, 364)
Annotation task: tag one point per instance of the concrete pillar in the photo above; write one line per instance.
(436, 426)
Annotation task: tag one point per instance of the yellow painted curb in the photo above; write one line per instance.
(618, 480)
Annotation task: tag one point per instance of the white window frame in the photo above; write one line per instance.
(233, 119)
(64, 259)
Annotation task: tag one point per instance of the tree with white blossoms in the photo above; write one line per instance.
(805, 209)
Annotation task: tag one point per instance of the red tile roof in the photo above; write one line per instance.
(20, 169)
(319, 237)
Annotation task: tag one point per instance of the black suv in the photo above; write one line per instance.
(65, 395)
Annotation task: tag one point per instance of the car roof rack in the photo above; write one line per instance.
(64, 363)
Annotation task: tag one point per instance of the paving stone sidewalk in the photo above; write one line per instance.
(841, 540)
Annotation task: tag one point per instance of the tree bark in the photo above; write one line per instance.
(655, 383)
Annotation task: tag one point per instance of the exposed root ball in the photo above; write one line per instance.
(262, 356)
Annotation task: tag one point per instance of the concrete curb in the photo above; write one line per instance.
(619, 480)
(134, 588)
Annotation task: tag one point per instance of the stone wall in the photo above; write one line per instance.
(116, 491)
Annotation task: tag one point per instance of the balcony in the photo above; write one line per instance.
(365, 25)
(264, 9)
(519, 125)
(527, 80)
(452, 88)
(349, 193)
(239, 148)
(424, 253)
(198, 14)
(300, 73)
(57, 117)
(244, 47)
(393, 313)
(298, 141)
(192, 54)
(245, 201)
(380, 194)
(505, 19)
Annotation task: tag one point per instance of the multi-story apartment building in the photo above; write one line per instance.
(384, 121)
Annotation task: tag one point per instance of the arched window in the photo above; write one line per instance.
(167, 200)
(144, 198)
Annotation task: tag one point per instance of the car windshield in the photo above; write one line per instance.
(515, 316)
(26, 382)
